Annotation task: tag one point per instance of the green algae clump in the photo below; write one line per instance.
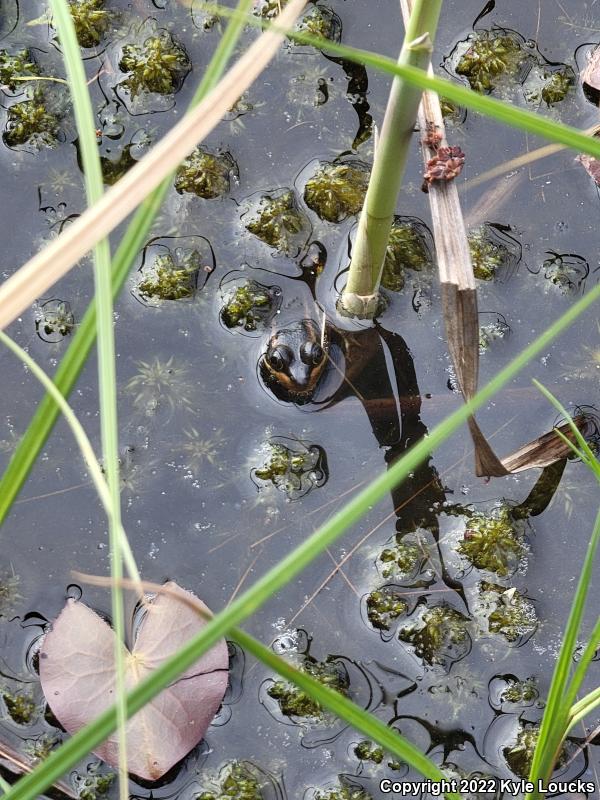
(400, 560)
(321, 21)
(278, 221)
(90, 19)
(491, 56)
(384, 606)
(250, 304)
(294, 471)
(512, 614)
(237, 783)
(158, 65)
(337, 191)
(520, 692)
(492, 543)
(267, 9)
(20, 705)
(519, 756)
(556, 88)
(168, 281)
(207, 175)
(406, 249)
(95, 784)
(294, 702)
(19, 65)
(436, 634)
(30, 122)
(487, 256)
(367, 751)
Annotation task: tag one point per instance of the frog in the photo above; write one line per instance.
(295, 360)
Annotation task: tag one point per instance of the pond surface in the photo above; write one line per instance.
(205, 499)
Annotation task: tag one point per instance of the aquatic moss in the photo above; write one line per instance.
(56, 320)
(294, 471)
(113, 169)
(519, 756)
(490, 56)
(556, 88)
(30, 122)
(20, 705)
(237, 782)
(19, 65)
(367, 751)
(248, 306)
(400, 560)
(490, 332)
(487, 256)
(337, 191)
(91, 21)
(94, 784)
(512, 614)
(321, 21)
(278, 221)
(39, 749)
(267, 9)
(169, 281)
(384, 606)
(406, 249)
(158, 65)
(207, 175)
(491, 542)
(566, 271)
(436, 633)
(293, 702)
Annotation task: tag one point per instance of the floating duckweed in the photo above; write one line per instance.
(205, 174)
(384, 606)
(15, 66)
(278, 221)
(91, 21)
(293, 702)
(293, 471)
(113, 169)
(557, 87)
(406, 249)
(520, 692)
(30, 122)
(55, 321)
(158, 65)
(436, 634)
(321, 21)
(490, 56)
(513, 615)
(250, 304)
(346, 791)
(337, 191)
(401, 560)
(169, 281)
(20, 705)
(237, 782)
(367, 751)
(491, 542)
(94, 784)
(487, 256)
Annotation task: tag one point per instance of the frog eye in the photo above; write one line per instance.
(312, 353)
(275, 359)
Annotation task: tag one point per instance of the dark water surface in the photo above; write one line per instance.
(194, 416)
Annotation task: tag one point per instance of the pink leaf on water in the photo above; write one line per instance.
(77, 676)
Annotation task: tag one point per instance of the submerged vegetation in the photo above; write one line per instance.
(91, 20)
(492, 543)
(30, 122)
(294, 468)
(440, 635)
(407, 249)
(165, 280)
(249, 305)
(295, 703)
(337, 190)
(279, 222)
(205, 174)
(158, 65)
(509, 612)
(237, 780)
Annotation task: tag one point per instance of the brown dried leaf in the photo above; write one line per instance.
(77, 676)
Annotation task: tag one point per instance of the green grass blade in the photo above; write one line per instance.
(282, 573)
(73, 361)
(107, 378)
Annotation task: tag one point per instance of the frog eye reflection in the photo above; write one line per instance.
(275, 360)
(312, 353)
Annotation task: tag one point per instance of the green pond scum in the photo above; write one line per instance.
(294, 470)
(520, 692)
(491, 542)
(237, 781)
(158, 65)
(384, 607)
(247, 306)
(438, 635)
(278, 222)
(336, 191)
(91, 20)
(165, 280)
(295, 703)
(406, 249)
(401, 559)
(207, 175)
(509, 613)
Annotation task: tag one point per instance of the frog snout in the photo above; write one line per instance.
(301, 377)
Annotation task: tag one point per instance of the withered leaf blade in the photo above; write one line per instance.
(77, 676)
(19, 764)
